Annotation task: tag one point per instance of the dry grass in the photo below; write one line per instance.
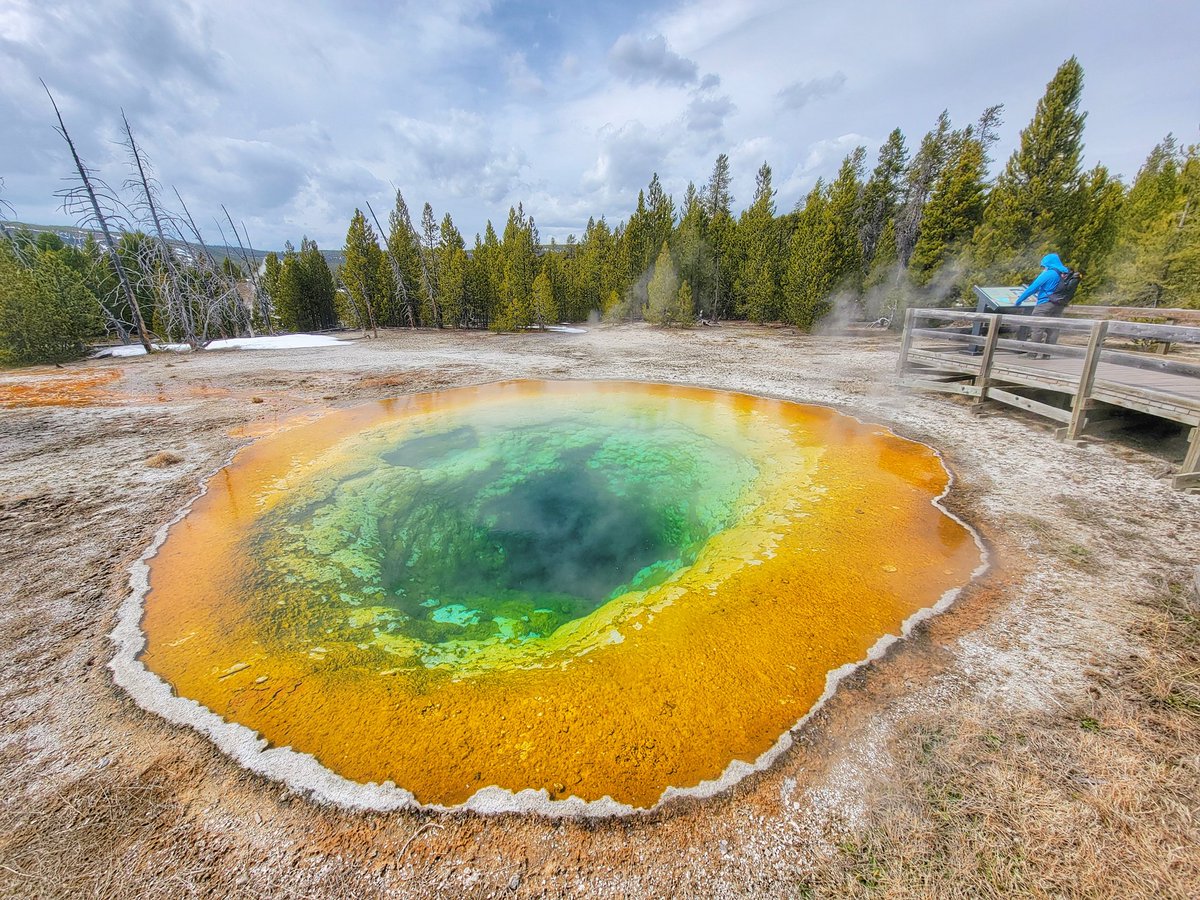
(163, 458)
(1098, 800)
(120, 840)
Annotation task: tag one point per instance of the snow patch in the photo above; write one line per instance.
(266, 342)
(139, 350)
(276, 342)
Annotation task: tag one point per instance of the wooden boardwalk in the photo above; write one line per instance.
(978, 355)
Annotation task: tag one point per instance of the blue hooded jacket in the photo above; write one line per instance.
(1043, 286)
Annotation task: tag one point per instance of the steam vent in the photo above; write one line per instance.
(602, 591)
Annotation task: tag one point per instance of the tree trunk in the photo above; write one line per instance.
(177, 303)
(85, 180)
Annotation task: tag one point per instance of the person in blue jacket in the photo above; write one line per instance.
(1041, 288)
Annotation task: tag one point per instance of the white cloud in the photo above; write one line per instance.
(822, 159)
(627, 157)
(648, 60)
(799, 94)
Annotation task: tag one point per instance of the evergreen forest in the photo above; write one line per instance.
(916, 222)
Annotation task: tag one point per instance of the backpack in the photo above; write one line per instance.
(1064, 293)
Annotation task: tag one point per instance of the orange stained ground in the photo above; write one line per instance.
(715, 668)
(43, 386)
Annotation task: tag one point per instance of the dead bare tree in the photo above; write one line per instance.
(85, 200)
(260, 295)
(6, 231)
(160, 260)
(228, 284)
(397, 275)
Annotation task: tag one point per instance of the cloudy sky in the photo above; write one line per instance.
(294, 113)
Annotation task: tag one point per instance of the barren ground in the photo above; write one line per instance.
(1042, 737)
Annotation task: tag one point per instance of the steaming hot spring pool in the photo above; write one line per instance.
(575, 596)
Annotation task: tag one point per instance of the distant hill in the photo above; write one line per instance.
(76, 237)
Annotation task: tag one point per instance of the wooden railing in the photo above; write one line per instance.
(1136, 314)
(969, 355)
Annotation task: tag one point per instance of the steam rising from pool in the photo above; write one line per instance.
(580, 597)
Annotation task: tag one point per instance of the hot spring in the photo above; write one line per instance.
(579, 590)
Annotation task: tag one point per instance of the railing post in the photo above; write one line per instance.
(985, 361)
(905, 342)
(1189, 473)
(1086, 379)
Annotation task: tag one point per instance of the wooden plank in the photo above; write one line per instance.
(1035, 406)
(946, 387)
(1143, 361)
(1086, 378)
(948, 334)
(1048, 380)
(954, 362)
(1175, 414)
(1036, 347)
(949, 329)
(1149, 395)
(1072, 326)
(905, 342)
(930, 375)
(950, 315)
(1134, 313)
(1188, 480)
(1175, 334)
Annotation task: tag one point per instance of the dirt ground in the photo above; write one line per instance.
(1042, 737)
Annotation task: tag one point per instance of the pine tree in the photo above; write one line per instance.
(756, 287)
(1144, 229)
(919, 178)
(47, 313)
(693, 256)
(543, 310)
(684, 313)
(954, 211)
(882, 194)
(809, 277)
(317, 287)
(289, 300)
(1183, 253)
(722, 237)
(365, 275)
(452, 274)
(846, 254)
(663, 290)
(1033, 207)
(405, 302)
(431, 314)
(487, 272)
(637, 251)
(518, 271)
(660, 213)
(270, 281)
(1099, 201)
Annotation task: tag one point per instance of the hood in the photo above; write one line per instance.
(1051, 261)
